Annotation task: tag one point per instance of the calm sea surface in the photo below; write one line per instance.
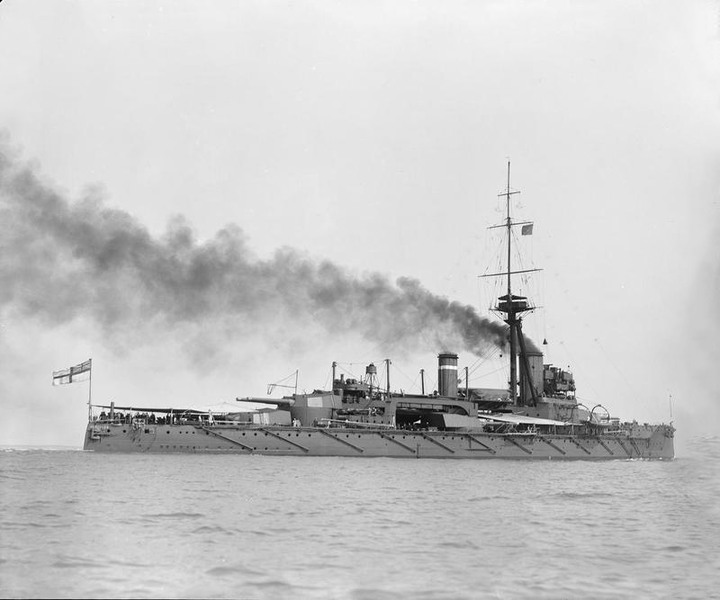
(77, 525)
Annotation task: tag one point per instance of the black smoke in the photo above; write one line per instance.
(63, 260)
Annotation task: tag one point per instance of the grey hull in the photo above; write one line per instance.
(651, 442)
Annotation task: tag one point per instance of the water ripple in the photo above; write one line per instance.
(345, 528)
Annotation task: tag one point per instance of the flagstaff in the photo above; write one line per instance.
(90, 390)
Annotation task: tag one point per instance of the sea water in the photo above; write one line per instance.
(77, 524)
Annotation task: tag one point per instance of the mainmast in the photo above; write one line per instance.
(512, 306)
(511, 319)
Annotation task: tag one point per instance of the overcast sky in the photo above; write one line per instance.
(371, 135)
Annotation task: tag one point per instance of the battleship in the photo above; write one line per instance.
(537, 416)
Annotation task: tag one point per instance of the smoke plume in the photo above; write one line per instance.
(62, 260)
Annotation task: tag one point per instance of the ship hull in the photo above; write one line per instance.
(653, 443)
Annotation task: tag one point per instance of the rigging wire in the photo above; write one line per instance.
(406, 377)
(635, 393)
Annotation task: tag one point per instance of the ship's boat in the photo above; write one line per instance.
(536, 417)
